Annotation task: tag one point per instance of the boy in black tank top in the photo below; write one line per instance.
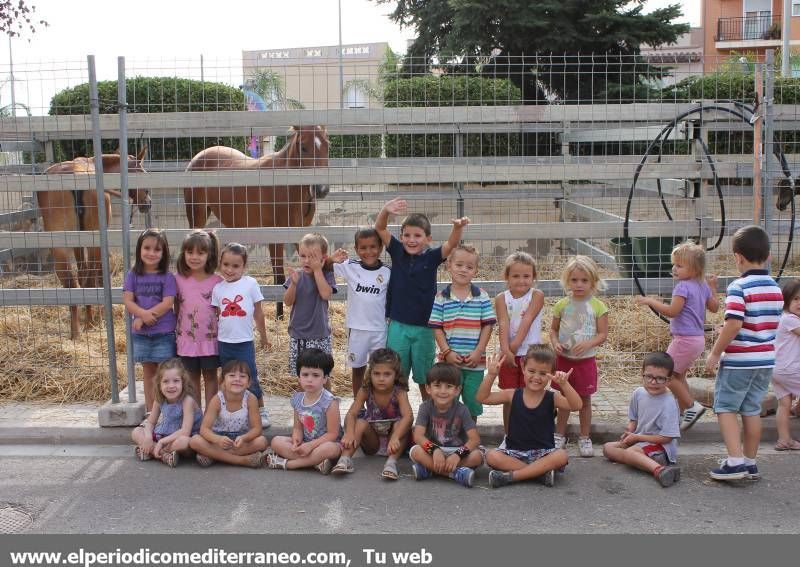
(528, 450)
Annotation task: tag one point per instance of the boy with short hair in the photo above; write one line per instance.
(462, 319)
(447, 440)
(367, 286)
(752, 309)
(308, 290)
(528, 450)
(412, 287)
(649, 440)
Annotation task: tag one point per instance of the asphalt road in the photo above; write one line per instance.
(105, 490)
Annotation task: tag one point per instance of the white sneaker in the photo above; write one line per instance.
(560, 441)
(585, 447)
(691, 415)
(265, 422)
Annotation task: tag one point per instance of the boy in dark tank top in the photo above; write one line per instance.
(528, 450)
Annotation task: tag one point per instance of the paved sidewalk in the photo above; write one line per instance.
(36, 422)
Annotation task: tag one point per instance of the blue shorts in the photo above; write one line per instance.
(153, 348)
(741, 390)
(528, 456)
(232, 435)
(246, 352)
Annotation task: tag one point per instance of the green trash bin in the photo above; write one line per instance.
(651, 256)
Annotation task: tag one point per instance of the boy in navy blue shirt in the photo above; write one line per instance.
(412, 287)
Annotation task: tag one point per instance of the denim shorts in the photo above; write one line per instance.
(527, 457)
(153, 348)
(246, 352)
(741, 390)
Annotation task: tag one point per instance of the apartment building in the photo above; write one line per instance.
(745, 26)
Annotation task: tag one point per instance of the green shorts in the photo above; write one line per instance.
(416, 347)
(470, 382)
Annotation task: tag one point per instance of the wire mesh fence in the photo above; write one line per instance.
(616, 158)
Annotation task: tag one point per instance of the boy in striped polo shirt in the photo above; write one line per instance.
(462, 319)
(752, 308)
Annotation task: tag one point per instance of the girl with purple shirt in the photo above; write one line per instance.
(692, 295)
(149, 294)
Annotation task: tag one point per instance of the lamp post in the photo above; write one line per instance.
(341, 72)
(786, 56)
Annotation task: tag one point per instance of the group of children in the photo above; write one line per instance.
(212, 325)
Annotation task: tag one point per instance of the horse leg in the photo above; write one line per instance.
(279, 275)
(63, 266)
(93, 278)
(196, 212)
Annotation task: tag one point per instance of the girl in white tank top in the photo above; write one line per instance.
(519, 316)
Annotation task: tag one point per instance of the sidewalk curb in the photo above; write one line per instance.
(601, 432)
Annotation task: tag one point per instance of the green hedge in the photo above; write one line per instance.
(151, 94)
(451, 91)
(740, 87)
(355, 146)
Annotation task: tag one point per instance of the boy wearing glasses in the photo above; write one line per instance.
(649, 442)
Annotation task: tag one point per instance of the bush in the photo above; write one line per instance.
(151, 94)
(448, 90)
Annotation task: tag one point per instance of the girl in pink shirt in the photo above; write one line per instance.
(196, 330)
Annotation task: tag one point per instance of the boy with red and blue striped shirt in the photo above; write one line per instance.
(462, 319)
(752, 309)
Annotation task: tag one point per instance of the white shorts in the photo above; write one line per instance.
(361, 343)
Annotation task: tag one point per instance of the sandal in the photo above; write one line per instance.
(325, 466)
(273, 461)
(170, 459)
(257, 460)
(791, 445)
(390, 470)
(343, 466)
(142, 455)
(204, 461)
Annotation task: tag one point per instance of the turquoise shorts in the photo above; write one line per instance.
(416, 347)
(470, 382)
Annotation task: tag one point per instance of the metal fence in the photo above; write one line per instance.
(550, 155)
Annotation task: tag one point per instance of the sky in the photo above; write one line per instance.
(168, 37)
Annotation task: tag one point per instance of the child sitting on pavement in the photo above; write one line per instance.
(379, 420)
(316, 432)
(528, 450)
(447, 441)
(649, 442)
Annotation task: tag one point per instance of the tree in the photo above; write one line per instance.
(16, 15)
(462, 34)
(268, 84)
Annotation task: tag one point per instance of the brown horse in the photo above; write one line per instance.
(244, 207)
(77, 210)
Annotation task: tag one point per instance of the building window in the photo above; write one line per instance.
(355, 97)
(795, 7)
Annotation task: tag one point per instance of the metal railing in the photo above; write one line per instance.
(754, 27)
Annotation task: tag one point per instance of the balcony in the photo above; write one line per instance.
(754, 30)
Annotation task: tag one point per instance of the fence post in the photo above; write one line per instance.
(769, 141)
(125, 212)
(458, 151)
(94, 105)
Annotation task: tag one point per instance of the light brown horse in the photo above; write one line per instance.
(244, 207)
(77, 210)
